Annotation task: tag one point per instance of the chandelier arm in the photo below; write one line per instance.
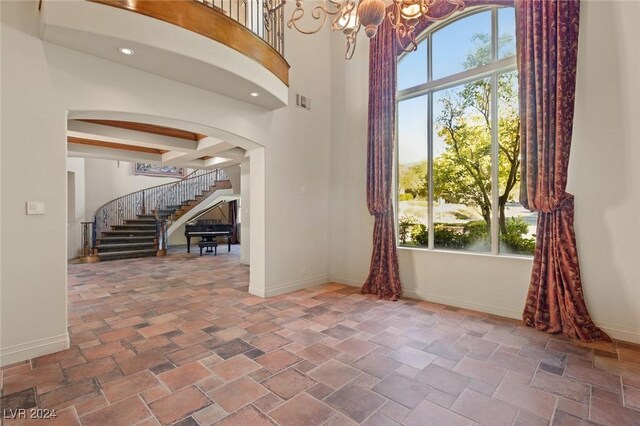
(404, 17)
(405, 35)
(341, 21)
(298, 14)
(319, 12)
(395, 22)
(352, 40)
(412, 46)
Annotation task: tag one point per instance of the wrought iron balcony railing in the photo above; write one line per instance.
(255, 16)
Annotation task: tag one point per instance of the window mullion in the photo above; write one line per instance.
(495, 228)
(494, 34)
(431, 185)
(396, 174)
(503, 65)
(430, 169)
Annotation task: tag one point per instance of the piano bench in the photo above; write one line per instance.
(209, 245)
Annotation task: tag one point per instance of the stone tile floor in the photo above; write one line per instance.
(178, 340)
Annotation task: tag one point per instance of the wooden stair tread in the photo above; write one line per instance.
(124, 245)
(126, 238)
(126, 252)
(133, 231)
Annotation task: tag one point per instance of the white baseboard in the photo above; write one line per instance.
(617, 332)
(290, 287)
(415, 294)
(257, 292)
(466, 304)
(35, 348)
(350, 280)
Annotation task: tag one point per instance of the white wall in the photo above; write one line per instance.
(76, 196)
(604, 172)
(603, 176)
(33, 135)
(297, 189)
(351, 225)
(245, 220)
(1, 182)
(233, 173)
(44, 84)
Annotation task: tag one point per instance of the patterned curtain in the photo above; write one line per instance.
(443, 8)
(384, 277)
(547, 49)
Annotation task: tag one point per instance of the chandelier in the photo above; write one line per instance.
(349, 16)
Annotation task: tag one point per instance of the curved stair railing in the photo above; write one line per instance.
(152, 201)
(178, 193)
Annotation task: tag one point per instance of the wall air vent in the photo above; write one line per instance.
(303, 101)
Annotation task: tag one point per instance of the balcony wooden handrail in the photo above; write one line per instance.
(205, 20)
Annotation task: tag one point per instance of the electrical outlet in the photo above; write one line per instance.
(304, 270)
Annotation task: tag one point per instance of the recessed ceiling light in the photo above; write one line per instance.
(254, 94)
(126, 51)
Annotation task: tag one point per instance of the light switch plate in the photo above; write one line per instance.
(35, 207)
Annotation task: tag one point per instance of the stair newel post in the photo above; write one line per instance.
(94, 231)
(144, 202)
(87, 236)
(156, 240)
(161, 237)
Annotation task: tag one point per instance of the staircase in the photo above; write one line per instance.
(135, 238)
(174, 212)
(127, 228)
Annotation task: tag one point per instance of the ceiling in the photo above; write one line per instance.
(148, 143)
(161, 49)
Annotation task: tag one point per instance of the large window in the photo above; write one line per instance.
(458, 158)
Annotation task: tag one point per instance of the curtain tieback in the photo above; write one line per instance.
(555, 205)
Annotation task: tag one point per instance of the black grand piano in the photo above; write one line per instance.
(207, 230)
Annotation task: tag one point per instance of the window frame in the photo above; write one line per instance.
(492, 70)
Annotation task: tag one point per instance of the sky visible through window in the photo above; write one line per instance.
(451, 46)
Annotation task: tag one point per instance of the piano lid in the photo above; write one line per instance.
(206, 222)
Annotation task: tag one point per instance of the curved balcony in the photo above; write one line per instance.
(231, 47)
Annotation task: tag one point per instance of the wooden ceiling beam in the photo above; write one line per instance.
(110, 145)
(149, 128)
(95, 131)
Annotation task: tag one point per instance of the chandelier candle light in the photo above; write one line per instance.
(348, 16)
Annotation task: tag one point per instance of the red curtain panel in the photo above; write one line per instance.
(384, 277)
(547, 50)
